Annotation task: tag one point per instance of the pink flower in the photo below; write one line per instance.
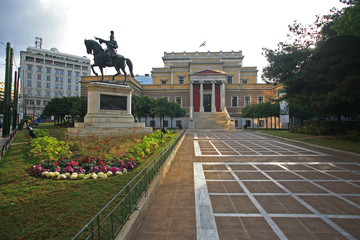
(80, 170)
(114, 169)
(94, 169)
(68, 169)
(103, 169)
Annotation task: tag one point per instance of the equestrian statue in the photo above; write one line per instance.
(109, 57)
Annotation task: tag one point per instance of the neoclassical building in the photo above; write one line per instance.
(212, 87)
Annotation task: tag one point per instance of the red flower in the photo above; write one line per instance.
(56, 163)
(96, 147)
(102, 164)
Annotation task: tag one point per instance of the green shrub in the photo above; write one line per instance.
(48, 149)
(41, 132)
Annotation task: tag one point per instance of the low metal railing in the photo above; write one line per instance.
(109, 221)
(6, 142)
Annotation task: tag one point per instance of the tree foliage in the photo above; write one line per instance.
(320, 68)
(150, 107)
(60, 107)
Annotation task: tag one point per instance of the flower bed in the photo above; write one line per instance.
(59, 165)
(62, 170)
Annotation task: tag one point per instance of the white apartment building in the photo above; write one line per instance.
(46, 74)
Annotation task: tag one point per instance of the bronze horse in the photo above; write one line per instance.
(93, 47)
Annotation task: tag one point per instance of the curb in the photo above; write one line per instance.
(130, 227)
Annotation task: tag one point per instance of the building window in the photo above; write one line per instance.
(178, 124)
(181, 80)
(47, 85)
(28, 83)
(29, 75)
(229, 79)
(167, 98)
(152, 123)
(48, 70)
(261, 123)
(77, 74)
(69, 73)
(245, 81)
(48, 78)
(77, 81)
(234, 101)
(29, 67)
(260, 99)
(47, 94)
(178, 100)
(38, 69)
(58, 71)
(69, 87)
(246, 100)
(236, 123)
(77, 88)
(28, 92)
(38, 93)
(248, 123)
(163, 82)
(38, 84)
(56, 86)
(69, 80)
(166, 123)
(39, 77)
(60, 86)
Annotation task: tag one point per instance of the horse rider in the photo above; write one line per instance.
(111, 49)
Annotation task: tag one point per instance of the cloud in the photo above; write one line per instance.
(23, 20)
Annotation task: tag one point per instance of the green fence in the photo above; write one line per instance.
(109, 221)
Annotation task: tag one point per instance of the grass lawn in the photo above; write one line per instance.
(38, 208)
(327, 141)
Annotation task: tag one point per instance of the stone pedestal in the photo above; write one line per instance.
(108, 111)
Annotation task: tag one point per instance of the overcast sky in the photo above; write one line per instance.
(145, 29)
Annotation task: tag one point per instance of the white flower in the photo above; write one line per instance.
(73, 176)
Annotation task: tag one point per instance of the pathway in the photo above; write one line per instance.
(243, 185)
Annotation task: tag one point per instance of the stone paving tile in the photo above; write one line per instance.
(352, 226)
(340, 187)
(331, 205)
(302, 187)
(281, 204)
(263, 187)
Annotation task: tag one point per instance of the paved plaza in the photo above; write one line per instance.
(244, 185)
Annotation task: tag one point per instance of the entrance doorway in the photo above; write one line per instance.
(207, 102)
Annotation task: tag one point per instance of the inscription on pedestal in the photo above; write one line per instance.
(112, 102)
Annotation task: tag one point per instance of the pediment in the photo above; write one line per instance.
(209, 71)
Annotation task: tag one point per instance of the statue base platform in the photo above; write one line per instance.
(108, 112)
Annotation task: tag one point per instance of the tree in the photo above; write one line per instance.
(162, 109)
(321, 76)
(175, 110)
(348, 24)
(60, 107)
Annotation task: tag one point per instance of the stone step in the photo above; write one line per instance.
(210, 120)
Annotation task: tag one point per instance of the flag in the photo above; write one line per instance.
(203, 44)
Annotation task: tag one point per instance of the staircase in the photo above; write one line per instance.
(210, 120)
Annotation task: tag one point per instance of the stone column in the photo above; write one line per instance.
(213, 107)
(201, 97)
(191, 100)
(223, 95)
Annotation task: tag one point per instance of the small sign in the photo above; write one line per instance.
(113, 102)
